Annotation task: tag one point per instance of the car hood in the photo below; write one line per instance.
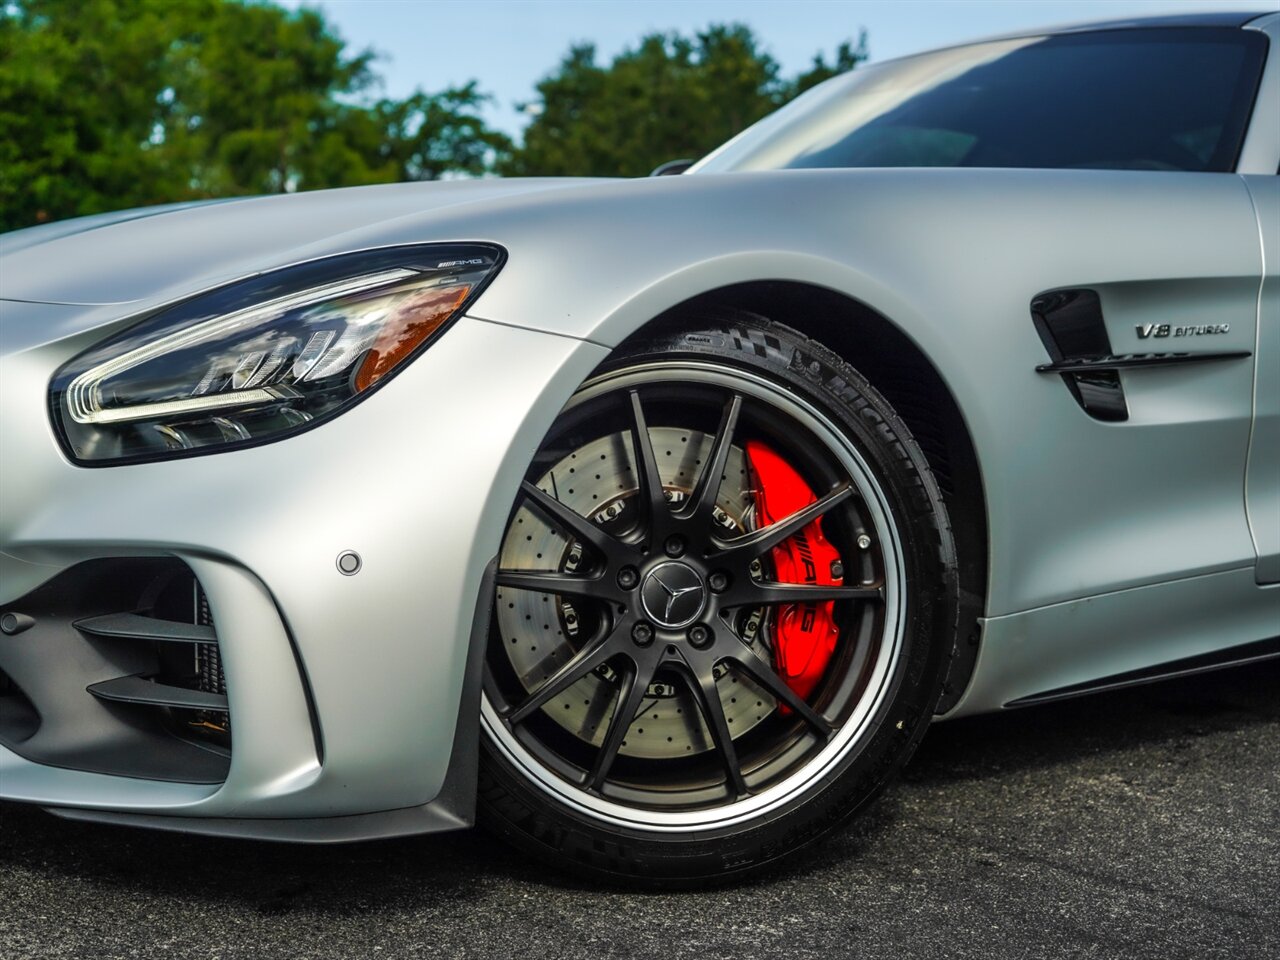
(154, 254)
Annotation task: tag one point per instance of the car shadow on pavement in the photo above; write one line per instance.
(405, 874)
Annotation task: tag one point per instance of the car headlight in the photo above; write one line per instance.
(263, 358)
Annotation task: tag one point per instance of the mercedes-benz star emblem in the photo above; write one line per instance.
(673, 595)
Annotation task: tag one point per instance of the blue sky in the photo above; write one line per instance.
(509, 44)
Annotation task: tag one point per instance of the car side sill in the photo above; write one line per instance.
(1255, 652)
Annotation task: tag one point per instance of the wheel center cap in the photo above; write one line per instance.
(673, 595)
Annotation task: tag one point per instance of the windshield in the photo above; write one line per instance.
(1156, 99)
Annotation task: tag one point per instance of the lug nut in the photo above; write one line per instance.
(863, 542)
(718, 582)
(628, 578)
(699, 635)
(674, 546)
(642, 634)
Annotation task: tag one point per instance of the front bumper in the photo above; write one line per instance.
(344, 691)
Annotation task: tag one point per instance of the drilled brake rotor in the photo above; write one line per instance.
(540, 631)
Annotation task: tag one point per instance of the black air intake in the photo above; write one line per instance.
(118, 672)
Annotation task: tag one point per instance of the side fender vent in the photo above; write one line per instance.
(1071, 327)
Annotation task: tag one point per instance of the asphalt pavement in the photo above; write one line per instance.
(1136, 824)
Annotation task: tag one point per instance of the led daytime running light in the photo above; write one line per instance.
(84, 395)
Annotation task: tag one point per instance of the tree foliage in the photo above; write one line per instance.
(666, 98)
(107, 104)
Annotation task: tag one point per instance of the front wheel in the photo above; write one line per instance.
(724, 608)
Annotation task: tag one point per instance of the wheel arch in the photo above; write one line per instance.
(911, 382)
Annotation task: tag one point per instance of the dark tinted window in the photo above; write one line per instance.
(1157, 99)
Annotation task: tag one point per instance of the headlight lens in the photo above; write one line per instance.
(265, 357)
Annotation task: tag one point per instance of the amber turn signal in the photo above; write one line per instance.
(409, 326)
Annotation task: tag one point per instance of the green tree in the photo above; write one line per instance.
(848, 56)
(253, 97)
(427, 136)
(78, 108)
(670, 96)
(106, 104)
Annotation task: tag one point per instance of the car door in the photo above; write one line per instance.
(1262, 475)
(1260, 164)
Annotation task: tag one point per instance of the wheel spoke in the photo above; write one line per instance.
(563, 584)
(758, 541)
(703, 685)
(593, 653)
(763, 673)
(631, 694)
(567, 704)
(703, 497)
(755, 593)
(580, 527)
(647, 465)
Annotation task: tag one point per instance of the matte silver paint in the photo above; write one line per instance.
(381, 650)
(138, 263)
(1112, 546)
(1065, 642)
(1262, 482)
(958, 279)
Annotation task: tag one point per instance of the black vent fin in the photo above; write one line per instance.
(132, 626)
(142, 691)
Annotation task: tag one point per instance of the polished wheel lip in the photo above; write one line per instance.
(733, 813)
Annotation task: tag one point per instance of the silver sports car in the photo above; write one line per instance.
(652, 521)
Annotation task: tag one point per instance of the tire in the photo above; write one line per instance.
(670, 811)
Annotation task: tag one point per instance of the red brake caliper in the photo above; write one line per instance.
(804, 634)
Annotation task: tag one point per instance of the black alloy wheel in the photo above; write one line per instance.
(644, 715)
